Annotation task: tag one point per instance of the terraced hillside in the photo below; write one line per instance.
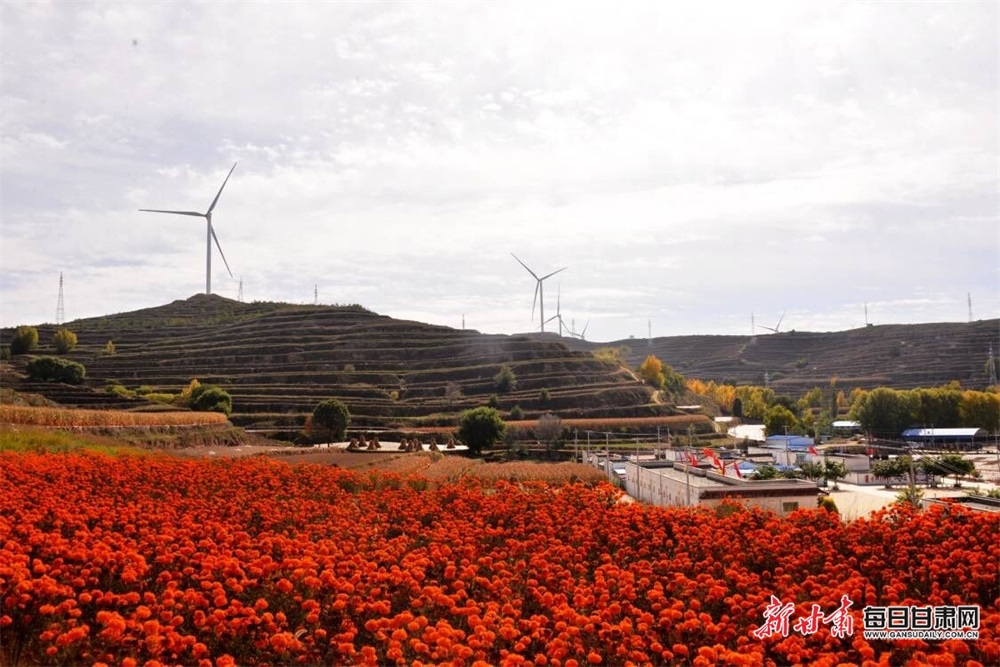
(279, 360)
(898, 355)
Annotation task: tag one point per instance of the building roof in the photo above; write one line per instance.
(941, 432)
(844, 423)
(793, 442)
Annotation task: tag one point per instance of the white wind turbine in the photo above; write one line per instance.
(539, 291)
(558, 315)
(776, 327)
(210, 234)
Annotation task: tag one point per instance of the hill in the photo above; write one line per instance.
(279, 360)
(894, 355)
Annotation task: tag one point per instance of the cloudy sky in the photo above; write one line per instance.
(692, 164)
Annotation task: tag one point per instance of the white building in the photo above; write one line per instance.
(672, 483)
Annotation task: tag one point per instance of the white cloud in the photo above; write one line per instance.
(690, 164)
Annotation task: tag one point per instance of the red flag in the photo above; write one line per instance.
(736, 468)
(812, 450)
(693, 459)
(722, 467)
(708, 452)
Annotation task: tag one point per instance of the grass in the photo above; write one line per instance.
(40, 440)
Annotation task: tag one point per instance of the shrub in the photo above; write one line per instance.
(64, 341)
(544, 396)
(493, 402)
(333, 416)
(51, 369)
(209, 398)
(109, 349)
(506, 381)
(25, 338)
(516, 413)
(480, 428)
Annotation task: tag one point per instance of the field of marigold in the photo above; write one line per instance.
(155, 560)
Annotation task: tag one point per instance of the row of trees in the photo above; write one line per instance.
(26, 339)
(887, 412)
(882, 411)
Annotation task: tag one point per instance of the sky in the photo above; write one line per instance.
(696, 166)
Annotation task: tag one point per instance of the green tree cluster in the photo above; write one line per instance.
(505, 380)
(53, 369)
(25, 339)
(480, 428)
(887, 412)
(64, 341)
(333, 416)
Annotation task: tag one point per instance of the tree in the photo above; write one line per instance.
(778, 419)
(544, 396)
(480, 428)
(109, 349)
(549, 429)
(333, 416)
(452, 393)
(53, 369)
(25, 338)
(766, 471)
(210, 398)
(506, 381)
(516, 413)
(834, 471)
(948, 464)
(651, 371)
(64, 341)
(738, 407)
(890, 469)
(811, 470)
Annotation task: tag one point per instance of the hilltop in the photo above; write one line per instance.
(279, 360)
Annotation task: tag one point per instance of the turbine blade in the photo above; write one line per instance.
(216, 200)
(779, 321)
(220, 249)
(554, 273)
(535, 300)
(525, 266)
(156, 210)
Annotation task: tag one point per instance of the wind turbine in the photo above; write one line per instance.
(209, 235)
(539, 291)
(558, 315)
(777, 326)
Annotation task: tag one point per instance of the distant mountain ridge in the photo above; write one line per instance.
(892, 355)
(279, 360)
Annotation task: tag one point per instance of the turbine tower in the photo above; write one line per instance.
(539, 290)
(210, 234)
(777, 327)
(60, 309)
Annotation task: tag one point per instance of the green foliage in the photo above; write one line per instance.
(911, 496)
(480, 428)
(811, 470)
(888, 412)
(778, 419)
(5, 353)
(109, 349)
(827, 503)
(506, 381)
(948, 464)
(766, 471)
(333, 416)
(493, 402)
(25, 338)
(64, 341)
(891, 468)
(738, 407)
(516, 413)
(209, 398)
(52, 369)
(544, 396)
(834, 471)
